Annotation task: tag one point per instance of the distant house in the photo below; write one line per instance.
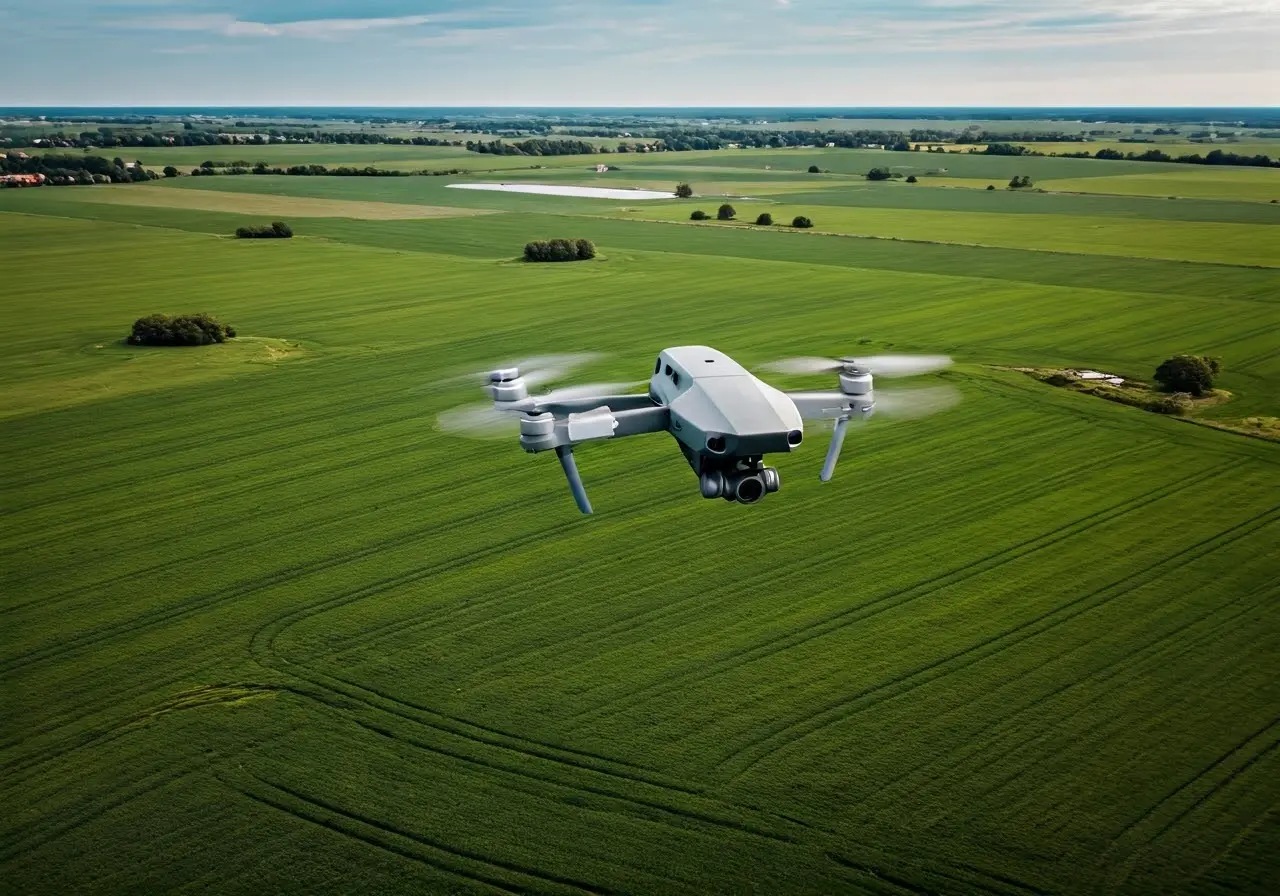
(830, 145)
(601, 169)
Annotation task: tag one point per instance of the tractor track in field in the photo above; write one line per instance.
(1110, 674)
(420, 848)
(971, 512)
(708, 533)
(1097, 729)
(251, 436)
(268, 512)
(264, 480)
(1241, 755)
(39, 835)
(837, 711)
(907, 594)
(205, 602)
(199, 603)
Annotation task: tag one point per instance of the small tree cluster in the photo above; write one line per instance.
(813, 169)
(276, 230)
(1019, 182)
(726, 212)
(765, 219)
(683, 191)
(559, 250)
(879, 174)
(698, 215)
(183, 329)
(1192, 374)
(801, 221)
(911, 179)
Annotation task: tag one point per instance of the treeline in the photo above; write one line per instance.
(1215, 157)
(61, 170)
(109, 138)
(559, 250)
(539, 147)
(211, 168)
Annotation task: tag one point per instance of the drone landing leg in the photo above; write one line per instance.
(570, 466)
(833, 453)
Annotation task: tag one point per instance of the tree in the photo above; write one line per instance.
(184, 329)
(801, 221)
(879, 174)
(559, 250)
(683, 191)
(911, 179)
(1188, 373)
(991, 186)
(765, 219)
(726, 212)
(813, 169)
(1018, 182)
(170, 171)
(698, 215)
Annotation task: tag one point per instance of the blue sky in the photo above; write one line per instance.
(641, 52)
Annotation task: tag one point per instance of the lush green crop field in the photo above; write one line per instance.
(269, 628)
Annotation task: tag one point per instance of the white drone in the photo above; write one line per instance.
(723, 418)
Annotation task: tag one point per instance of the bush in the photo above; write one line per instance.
(277, 230)
(1018, 183)
(559, 250)
(911, 179)
(170, 171)
(991, 186)
(801, 221)
(184, 329)
(879, 174)
(726, 212)
(765, 219)
(698, 215)
(813, 169)
(683, 191)
(1188, 373)
(1177, 404)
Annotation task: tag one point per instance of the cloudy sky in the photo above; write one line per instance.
(641, 52)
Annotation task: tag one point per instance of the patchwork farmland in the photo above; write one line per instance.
(269, 627)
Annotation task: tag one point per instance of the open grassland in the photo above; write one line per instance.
(1207, 182)
(271, 204)
(269, 629)
(1172, 240)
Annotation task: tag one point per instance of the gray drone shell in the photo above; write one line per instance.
(718, 407)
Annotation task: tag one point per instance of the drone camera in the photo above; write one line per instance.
(795, 437)
(744, 487)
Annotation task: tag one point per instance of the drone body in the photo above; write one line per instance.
(724, 419)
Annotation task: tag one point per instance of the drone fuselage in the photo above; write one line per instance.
(725, 420)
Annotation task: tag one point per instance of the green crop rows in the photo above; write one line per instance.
(268, 627)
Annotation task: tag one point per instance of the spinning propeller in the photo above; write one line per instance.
(879, 365)
(856, 401)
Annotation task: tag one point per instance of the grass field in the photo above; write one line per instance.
(269, 628)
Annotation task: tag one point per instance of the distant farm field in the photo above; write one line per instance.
(300, 206)
(270, 627)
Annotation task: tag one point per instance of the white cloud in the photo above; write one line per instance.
(229, 26)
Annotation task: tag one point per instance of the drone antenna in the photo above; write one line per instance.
(833, 453)
(570, 466)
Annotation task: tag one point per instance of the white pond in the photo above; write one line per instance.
(553, 190)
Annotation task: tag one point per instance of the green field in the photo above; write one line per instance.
(270, 628)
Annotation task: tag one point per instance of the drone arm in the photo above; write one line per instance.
(838, 406)
(570, 467)
(564, 434)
